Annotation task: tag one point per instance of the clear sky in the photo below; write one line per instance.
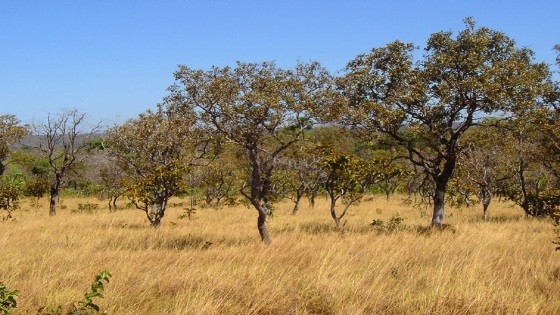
(115, 59)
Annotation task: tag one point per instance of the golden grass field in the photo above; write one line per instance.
(215, 263)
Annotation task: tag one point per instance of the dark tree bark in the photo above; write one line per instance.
(297, 198)
(55, 194)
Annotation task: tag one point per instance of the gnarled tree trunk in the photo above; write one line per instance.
(439, 203)
(156, 214)
(261, 225)
(55, 194)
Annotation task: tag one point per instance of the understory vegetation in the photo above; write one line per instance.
(211, 263)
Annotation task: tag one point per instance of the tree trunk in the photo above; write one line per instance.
(486, 199)
(296, 207)
(312, 198)
(115, 202)
(439, 202)
(53, 202)
(156, 222)
(524, 202)
(261, 225)
(333, 212)
(156, 214)
(299, 195)
(55, 193)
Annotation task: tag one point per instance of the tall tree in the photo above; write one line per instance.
(62, 140)
(427, 106)
(259, 108)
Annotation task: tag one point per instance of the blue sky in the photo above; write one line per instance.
(115, 59)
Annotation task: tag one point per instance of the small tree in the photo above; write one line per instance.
(220, 179)
(113, 184)
(482, 166)
(11, 188)
(347, 180)
(154, 152)
(62, 139)
(300, 173)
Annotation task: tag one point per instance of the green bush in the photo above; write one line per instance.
(7, 300)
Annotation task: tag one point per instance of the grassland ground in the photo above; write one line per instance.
(214, 262)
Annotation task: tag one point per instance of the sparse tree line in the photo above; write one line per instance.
(469, 118)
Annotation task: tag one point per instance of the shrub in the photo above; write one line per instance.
(7, 300)
(86, 208)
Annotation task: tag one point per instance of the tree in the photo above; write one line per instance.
(300, 172)
(259, 108)
(482, 166)
(219, 180)
(347, 180)
(113, 183)
(154, 153)
(531, 182)
(62, 140)
(426, 107)
(10, 132)
(389, 168)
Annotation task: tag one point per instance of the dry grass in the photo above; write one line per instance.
(215, 263)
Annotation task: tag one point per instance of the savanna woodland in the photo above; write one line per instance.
(415, 180)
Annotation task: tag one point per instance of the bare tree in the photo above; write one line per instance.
(62, 139)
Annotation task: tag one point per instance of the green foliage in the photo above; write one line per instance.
(97, 144)
(11, 186)
(427, 105)
(394, 224)
(8, 300)
(153, 154)
(10, 132)
(347, 176)
(37, 186)
(87, 305)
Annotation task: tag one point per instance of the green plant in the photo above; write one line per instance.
(395, 221)
(7, 299)
(394, 224)
(85, 306)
